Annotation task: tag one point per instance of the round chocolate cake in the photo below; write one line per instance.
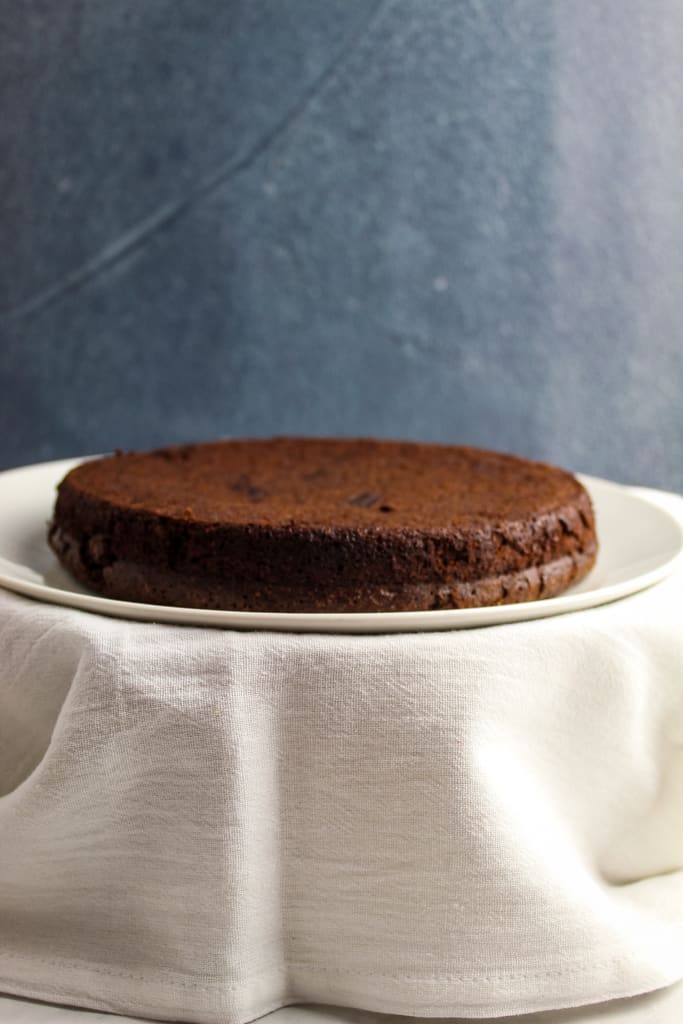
(323, 525)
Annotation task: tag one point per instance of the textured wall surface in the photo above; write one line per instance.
(458, 220)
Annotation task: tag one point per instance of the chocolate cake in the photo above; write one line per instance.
(323, 525)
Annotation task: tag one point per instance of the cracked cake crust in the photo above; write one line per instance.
(323, 525)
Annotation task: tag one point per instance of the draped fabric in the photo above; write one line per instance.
(204, 825)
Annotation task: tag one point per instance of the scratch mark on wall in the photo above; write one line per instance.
(145, 229)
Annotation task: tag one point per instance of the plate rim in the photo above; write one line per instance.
(348, 622)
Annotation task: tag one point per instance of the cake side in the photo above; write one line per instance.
(355, 550)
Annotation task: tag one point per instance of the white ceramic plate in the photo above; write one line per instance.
(639, 545)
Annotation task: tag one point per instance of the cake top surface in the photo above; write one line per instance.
(346, 483)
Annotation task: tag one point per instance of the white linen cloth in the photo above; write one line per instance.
(204, 825)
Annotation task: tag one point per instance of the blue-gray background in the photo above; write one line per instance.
(458, 220)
